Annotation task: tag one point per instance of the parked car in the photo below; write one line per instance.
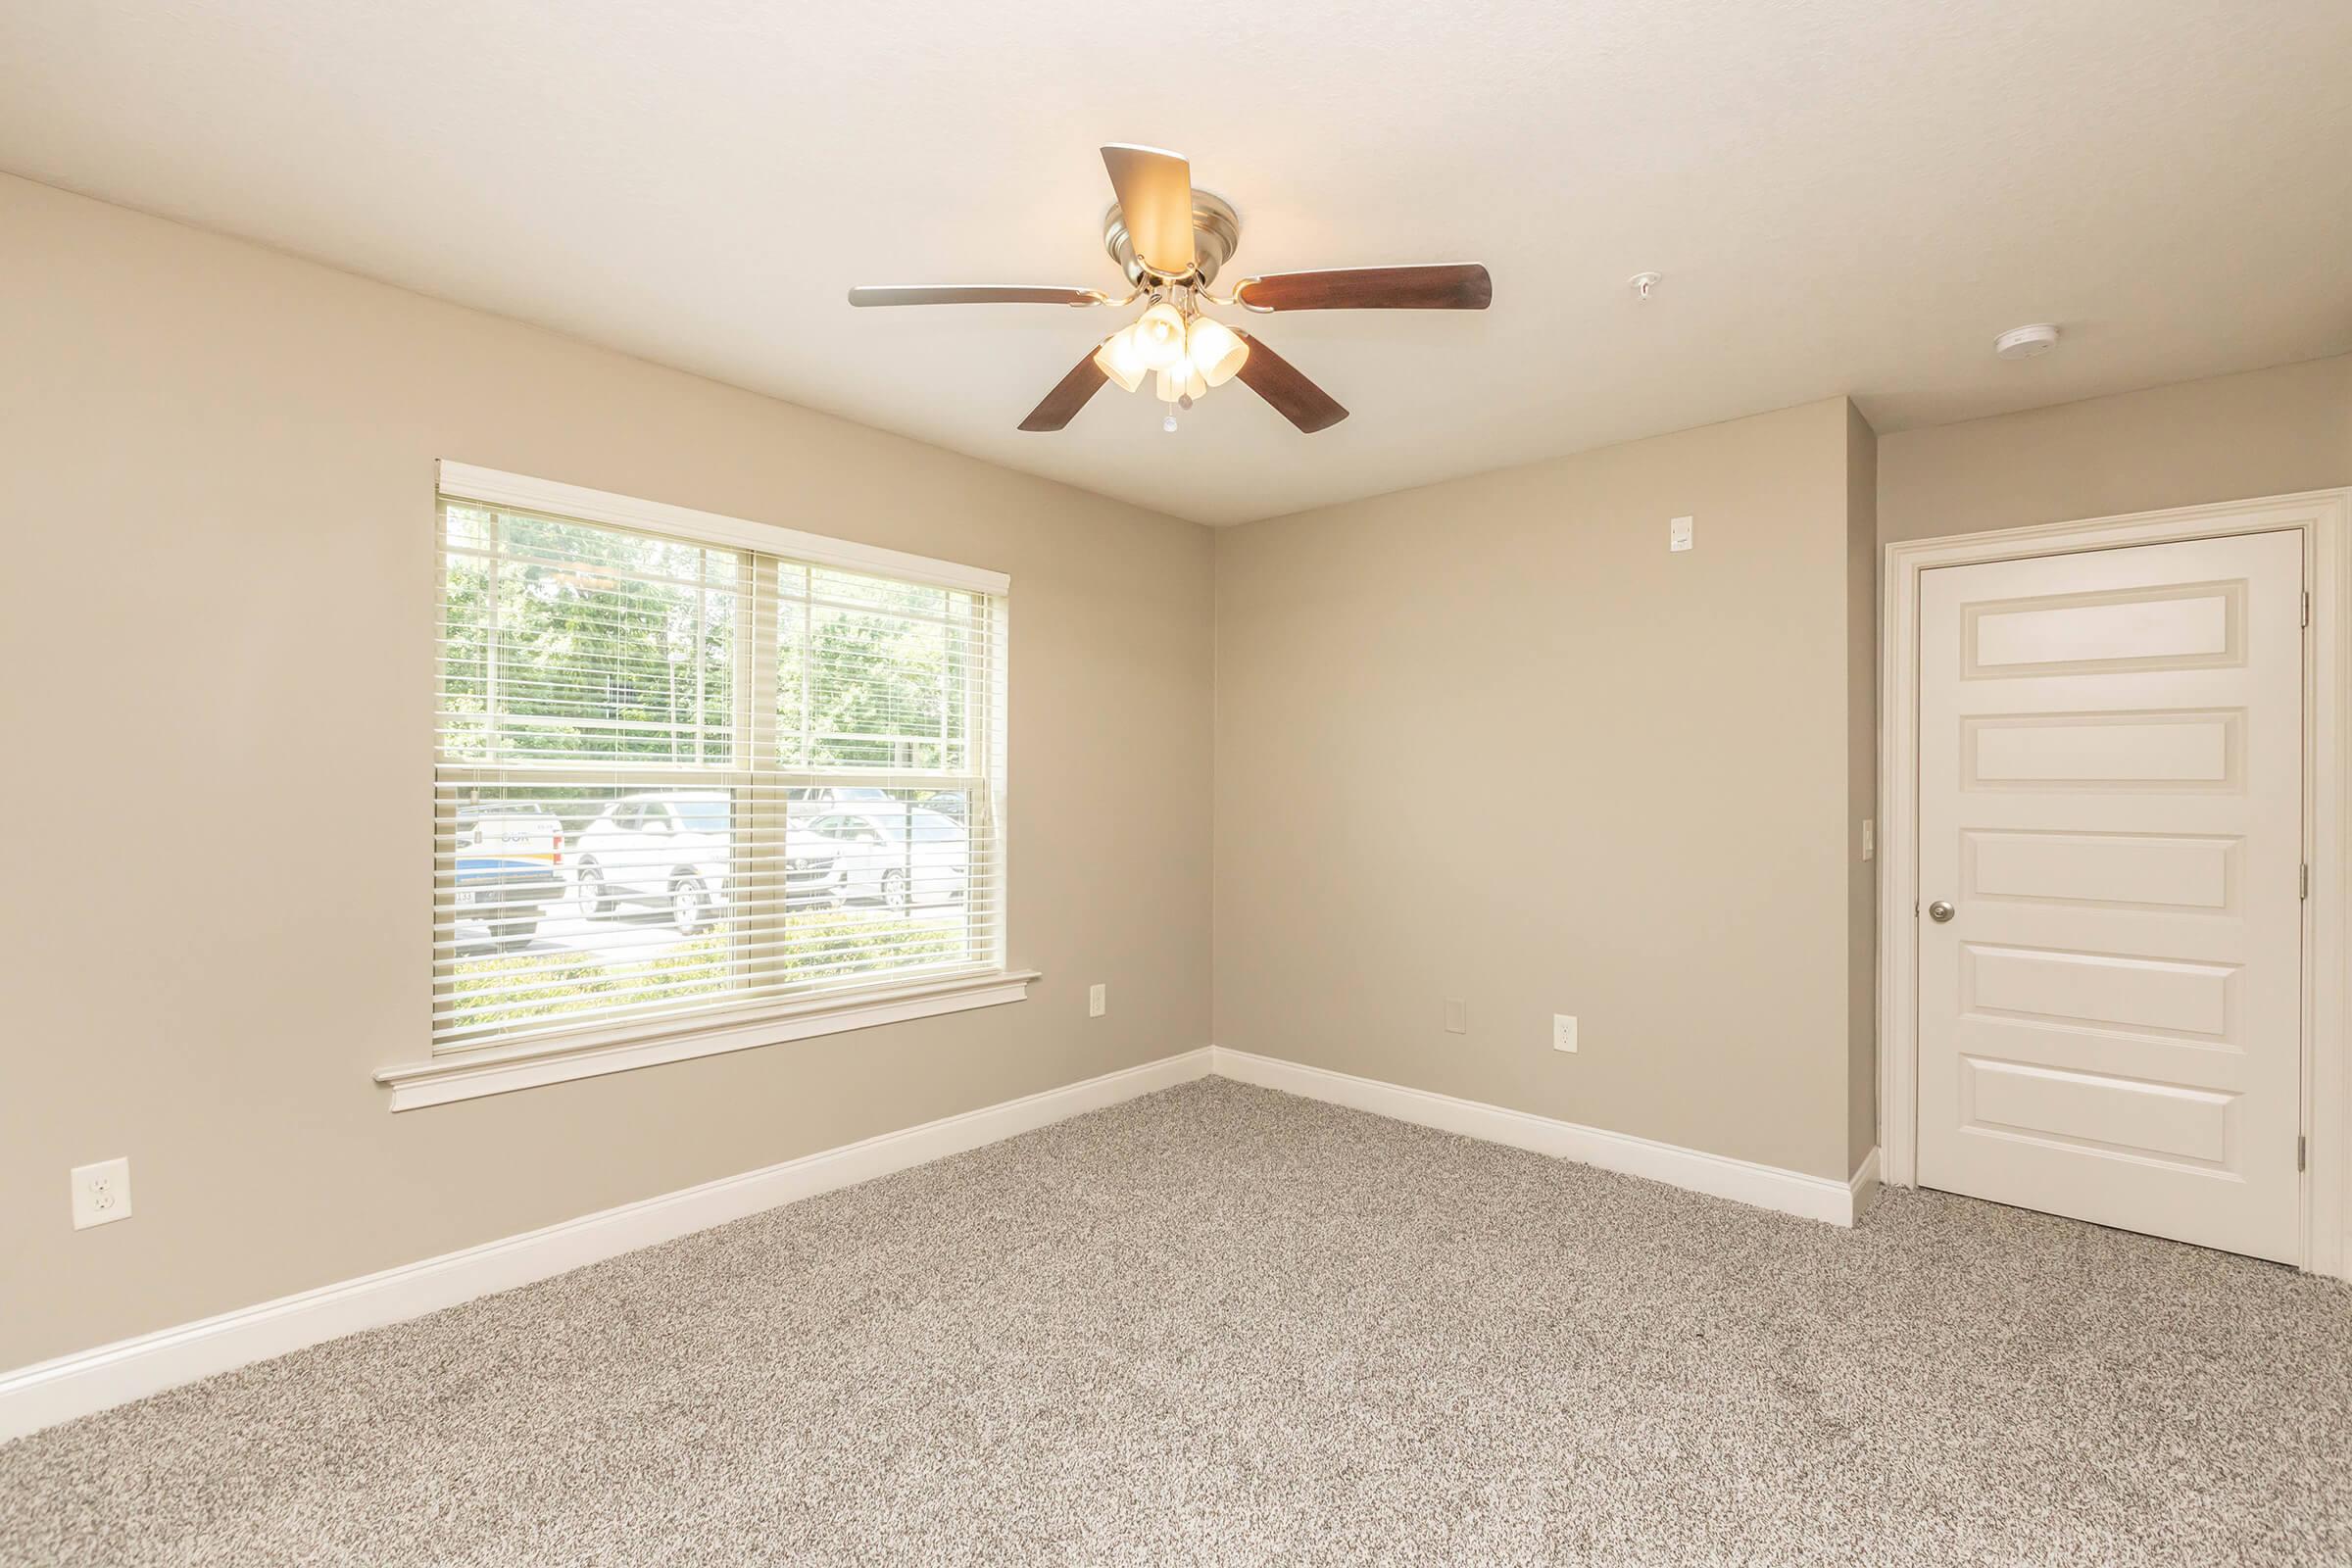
(509, 868)
(946, 802)
(676, 848)
(899, 856)
(811, 801)
(672, 848)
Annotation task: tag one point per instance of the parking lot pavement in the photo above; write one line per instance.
(636, 935)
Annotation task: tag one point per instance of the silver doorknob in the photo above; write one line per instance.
(1939, 912)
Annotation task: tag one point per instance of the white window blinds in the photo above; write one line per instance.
(680, 779)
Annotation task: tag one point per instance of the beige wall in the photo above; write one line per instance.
(218, 466)
(1491, 740)
(2266, 432)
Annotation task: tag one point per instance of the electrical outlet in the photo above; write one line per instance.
(101, 1193)
(1457, 1016)
(1098, 1001)
(1678, 534)
(1564, 1032)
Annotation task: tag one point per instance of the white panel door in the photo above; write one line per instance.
(2110, 810)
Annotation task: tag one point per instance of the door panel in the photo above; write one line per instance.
(2136, 870)
(2119, 1114)
(2110, 782)
(2107, 751)
(2097, 988)
(2162, 628)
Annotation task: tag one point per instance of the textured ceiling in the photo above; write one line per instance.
(1844, 195)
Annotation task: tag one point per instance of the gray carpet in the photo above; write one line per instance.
(1222, 1324)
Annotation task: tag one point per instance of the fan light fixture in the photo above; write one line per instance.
(1179, 382)
(1122, 359)
(1215, 350)
(1159, 337)
(1184, 353)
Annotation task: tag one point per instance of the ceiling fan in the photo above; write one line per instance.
(1171, 241)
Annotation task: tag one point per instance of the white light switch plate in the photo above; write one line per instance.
(101, 1193)
(1564, 1031)
(1678, 534)
(1457, 1016)
(1870, 838)
(1098, 1001)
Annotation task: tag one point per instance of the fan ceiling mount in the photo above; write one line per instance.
(1216, 236)
(1171, 241)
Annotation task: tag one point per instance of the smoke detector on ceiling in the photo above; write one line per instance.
(2025, 342)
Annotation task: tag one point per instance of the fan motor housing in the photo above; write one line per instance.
(1216, 236)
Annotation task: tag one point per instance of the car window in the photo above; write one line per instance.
(701, 817)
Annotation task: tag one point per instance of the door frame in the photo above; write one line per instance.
(2324, 520)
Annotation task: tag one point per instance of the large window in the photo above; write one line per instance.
(687, 774)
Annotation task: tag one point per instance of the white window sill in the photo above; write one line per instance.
(470, 1075)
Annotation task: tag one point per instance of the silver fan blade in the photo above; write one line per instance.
(1155, 201)
(975, 294)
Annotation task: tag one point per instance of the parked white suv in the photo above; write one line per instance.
(896, 855)
(676, 848)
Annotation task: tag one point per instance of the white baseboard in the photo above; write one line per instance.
(1790, 1191)
(50, 1391)
(1865, 1184)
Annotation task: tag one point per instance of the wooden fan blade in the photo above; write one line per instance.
(1069, 395)
(1296, 398)
(1454, 286)
(1155, 201)
(975, 294)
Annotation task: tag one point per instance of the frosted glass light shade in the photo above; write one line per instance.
(1215, 350)
(1159, 337)
(1180, 381)
(1121, 361)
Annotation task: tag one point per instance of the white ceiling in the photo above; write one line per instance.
(1844, 196)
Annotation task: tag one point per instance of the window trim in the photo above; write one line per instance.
(491, 487)
(469, 1072)
(497, 1069)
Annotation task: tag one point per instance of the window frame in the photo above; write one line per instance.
(464, 1068)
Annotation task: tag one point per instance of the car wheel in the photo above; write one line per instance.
(591, 880)
(894, 890)
(686, 907)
